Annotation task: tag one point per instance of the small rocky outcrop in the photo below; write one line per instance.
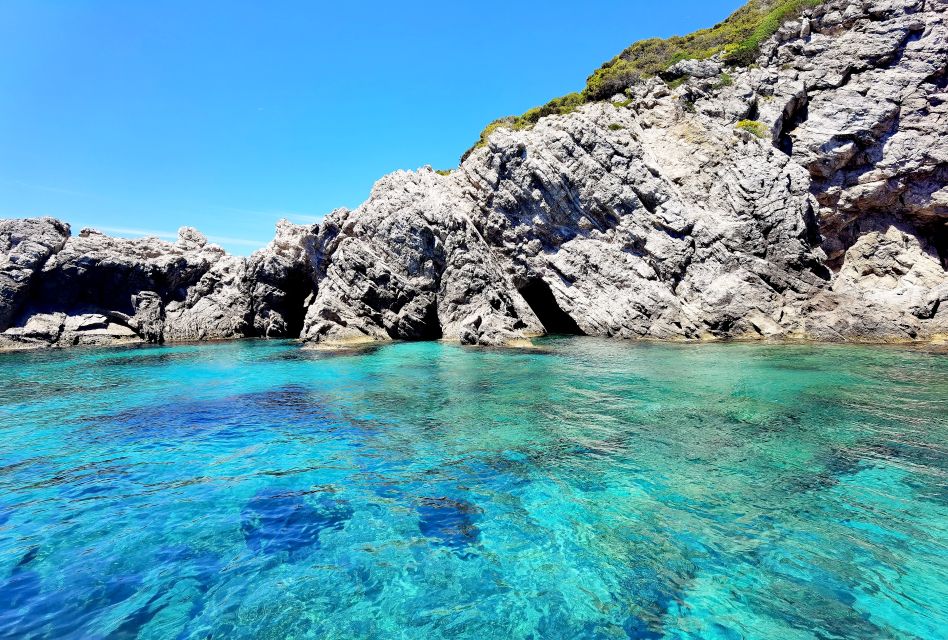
(280, 281)
(410, 263)
(25, 246)
(804, 197)
(95, 289)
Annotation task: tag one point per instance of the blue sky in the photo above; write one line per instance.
(138, 117)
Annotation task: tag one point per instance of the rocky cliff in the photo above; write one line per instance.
(804, 196)
(57, 290)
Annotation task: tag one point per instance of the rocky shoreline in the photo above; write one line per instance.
(802, 198)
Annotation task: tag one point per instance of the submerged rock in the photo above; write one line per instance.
(274, 521)
(804, 197)
(448, 522)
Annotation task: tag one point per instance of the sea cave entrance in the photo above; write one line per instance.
(298, 289)
(540, 297)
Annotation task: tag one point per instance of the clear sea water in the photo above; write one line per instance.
(588, 489)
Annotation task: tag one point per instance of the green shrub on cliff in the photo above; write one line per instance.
(755, 127)
(557, 106)
(737, 39)
(724, 81)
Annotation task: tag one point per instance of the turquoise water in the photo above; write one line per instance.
(590, 489)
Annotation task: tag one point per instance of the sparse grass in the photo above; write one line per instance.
(755, 127)
(629, 100)
(724, 81)
(557, 106)
(737, 39)
(485, 134)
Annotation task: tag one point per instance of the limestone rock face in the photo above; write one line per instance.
(891, 286)
(94, 289)
(25, 246)
(663, 219)
(410, 263)
(280, 280)
(695, 69)
(654, 215)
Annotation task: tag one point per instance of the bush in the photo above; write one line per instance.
(443, 172)
(737, 39)
(485, 134)
(557, 106)
(755, 127)
(615, 127)
(620, 77)
(747, 49)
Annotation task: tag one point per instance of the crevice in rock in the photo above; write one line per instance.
(753, 111)
(940, 240)
(810, 217)
(649, 201)
(794, 114)
(427, 327)
(912, 35)
(540, 297)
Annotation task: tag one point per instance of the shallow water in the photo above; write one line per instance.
(591, 489)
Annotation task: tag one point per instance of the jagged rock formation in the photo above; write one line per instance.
(804, 197)
(26, 245)
(94, 289)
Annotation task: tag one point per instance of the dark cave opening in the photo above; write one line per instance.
(280, 309)
(432, 325)
(540, 297)
(940, 240)
(795, 114)
(297, 291)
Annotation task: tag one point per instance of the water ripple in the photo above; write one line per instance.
(589, 490)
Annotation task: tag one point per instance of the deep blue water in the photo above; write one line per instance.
(589, 489)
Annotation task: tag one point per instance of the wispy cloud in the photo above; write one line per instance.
(238, 241)
(298, 217)
(276, 214)
(47, 188)
(173, 235)
(126, 231)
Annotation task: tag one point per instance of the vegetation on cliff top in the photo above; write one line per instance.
(737, 40)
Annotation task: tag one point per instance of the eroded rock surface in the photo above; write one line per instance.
(662, 218)
(95, 289)
(25, 245)
(802, 197)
